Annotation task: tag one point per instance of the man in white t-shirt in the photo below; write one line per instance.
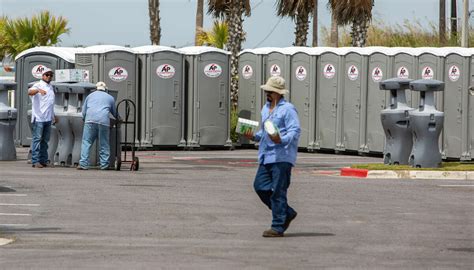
(42, 116)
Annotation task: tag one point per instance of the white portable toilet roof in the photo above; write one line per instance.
(67, 53)
(195, 50)
(458, 50)
(432, 50)
(149, 49)
(105, 49)
(397, 50)
(262, 50)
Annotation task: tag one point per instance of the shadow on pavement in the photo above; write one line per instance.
(308, 234)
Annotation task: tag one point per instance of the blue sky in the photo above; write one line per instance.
(123, 22)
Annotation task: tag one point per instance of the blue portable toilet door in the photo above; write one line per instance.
(376, 102)
(166, 97)
(212, 97)
(300, 90)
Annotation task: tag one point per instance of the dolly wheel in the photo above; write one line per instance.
(135, 164)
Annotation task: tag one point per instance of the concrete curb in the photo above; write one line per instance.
(4, 241)
(389, 174)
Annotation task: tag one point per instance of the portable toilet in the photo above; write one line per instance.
(117, 67)
(430, 63)
(379, 69)
(404, 67)
(208, 97)
(29, 66)
(251, 77)
(456, 103)
(162, 103)
(302, 86)
(470, 142)
(8, 117)
(329, 66)
(352, 89)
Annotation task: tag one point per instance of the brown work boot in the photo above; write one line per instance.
(272, 233)
(37, 165)
(288, 220)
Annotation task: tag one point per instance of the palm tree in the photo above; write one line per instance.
(299, 10)
(199, 19)
(217, 37)
(232, 11)
(315, 24)
(155, 28)
(355, 12)
(41, 30)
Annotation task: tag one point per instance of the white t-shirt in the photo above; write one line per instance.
(42, 106)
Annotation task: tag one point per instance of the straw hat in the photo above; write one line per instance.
(275, 84)
(101, 86)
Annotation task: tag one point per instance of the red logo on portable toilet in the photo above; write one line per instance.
(454, 73)
(37, 71)
(213, 70)
(329, 71)
(403, 73)
(427, 73)
(301, 73)
(377, 74)
(247, 72)
(165, 71)
(353, 73)
(118, 74)
(275, 70)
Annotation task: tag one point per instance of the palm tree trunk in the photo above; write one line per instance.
(315, 24)
(359, 32)
(155, 28)
(442, 22)
(334, 31)
(234, 45)
(199, 19)
(301, 31)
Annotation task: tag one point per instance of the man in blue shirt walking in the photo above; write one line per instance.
(276, 154)
(95, 111)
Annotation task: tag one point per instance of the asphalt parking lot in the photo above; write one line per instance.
(197, 210)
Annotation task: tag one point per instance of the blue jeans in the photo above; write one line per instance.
(91, 132)
(271, 184)
(41, 131)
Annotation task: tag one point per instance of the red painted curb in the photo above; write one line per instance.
(354, 172)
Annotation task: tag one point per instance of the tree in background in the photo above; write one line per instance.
(358, 13)
(299, 11)
(442, 21)
(199, 20)
(155, 28)
(17, 35)
(232, 11)
(217, 37)
(315, 24)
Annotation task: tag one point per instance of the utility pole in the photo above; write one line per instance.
(442, 22)
(465, 25)
(454, 20)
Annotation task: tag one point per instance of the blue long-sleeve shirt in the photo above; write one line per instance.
(97, 107)
(285, 117)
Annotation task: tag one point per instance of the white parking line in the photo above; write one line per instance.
(456, 186)
(13, 225)
(17, 195)
(19, 204)
(14, 214)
